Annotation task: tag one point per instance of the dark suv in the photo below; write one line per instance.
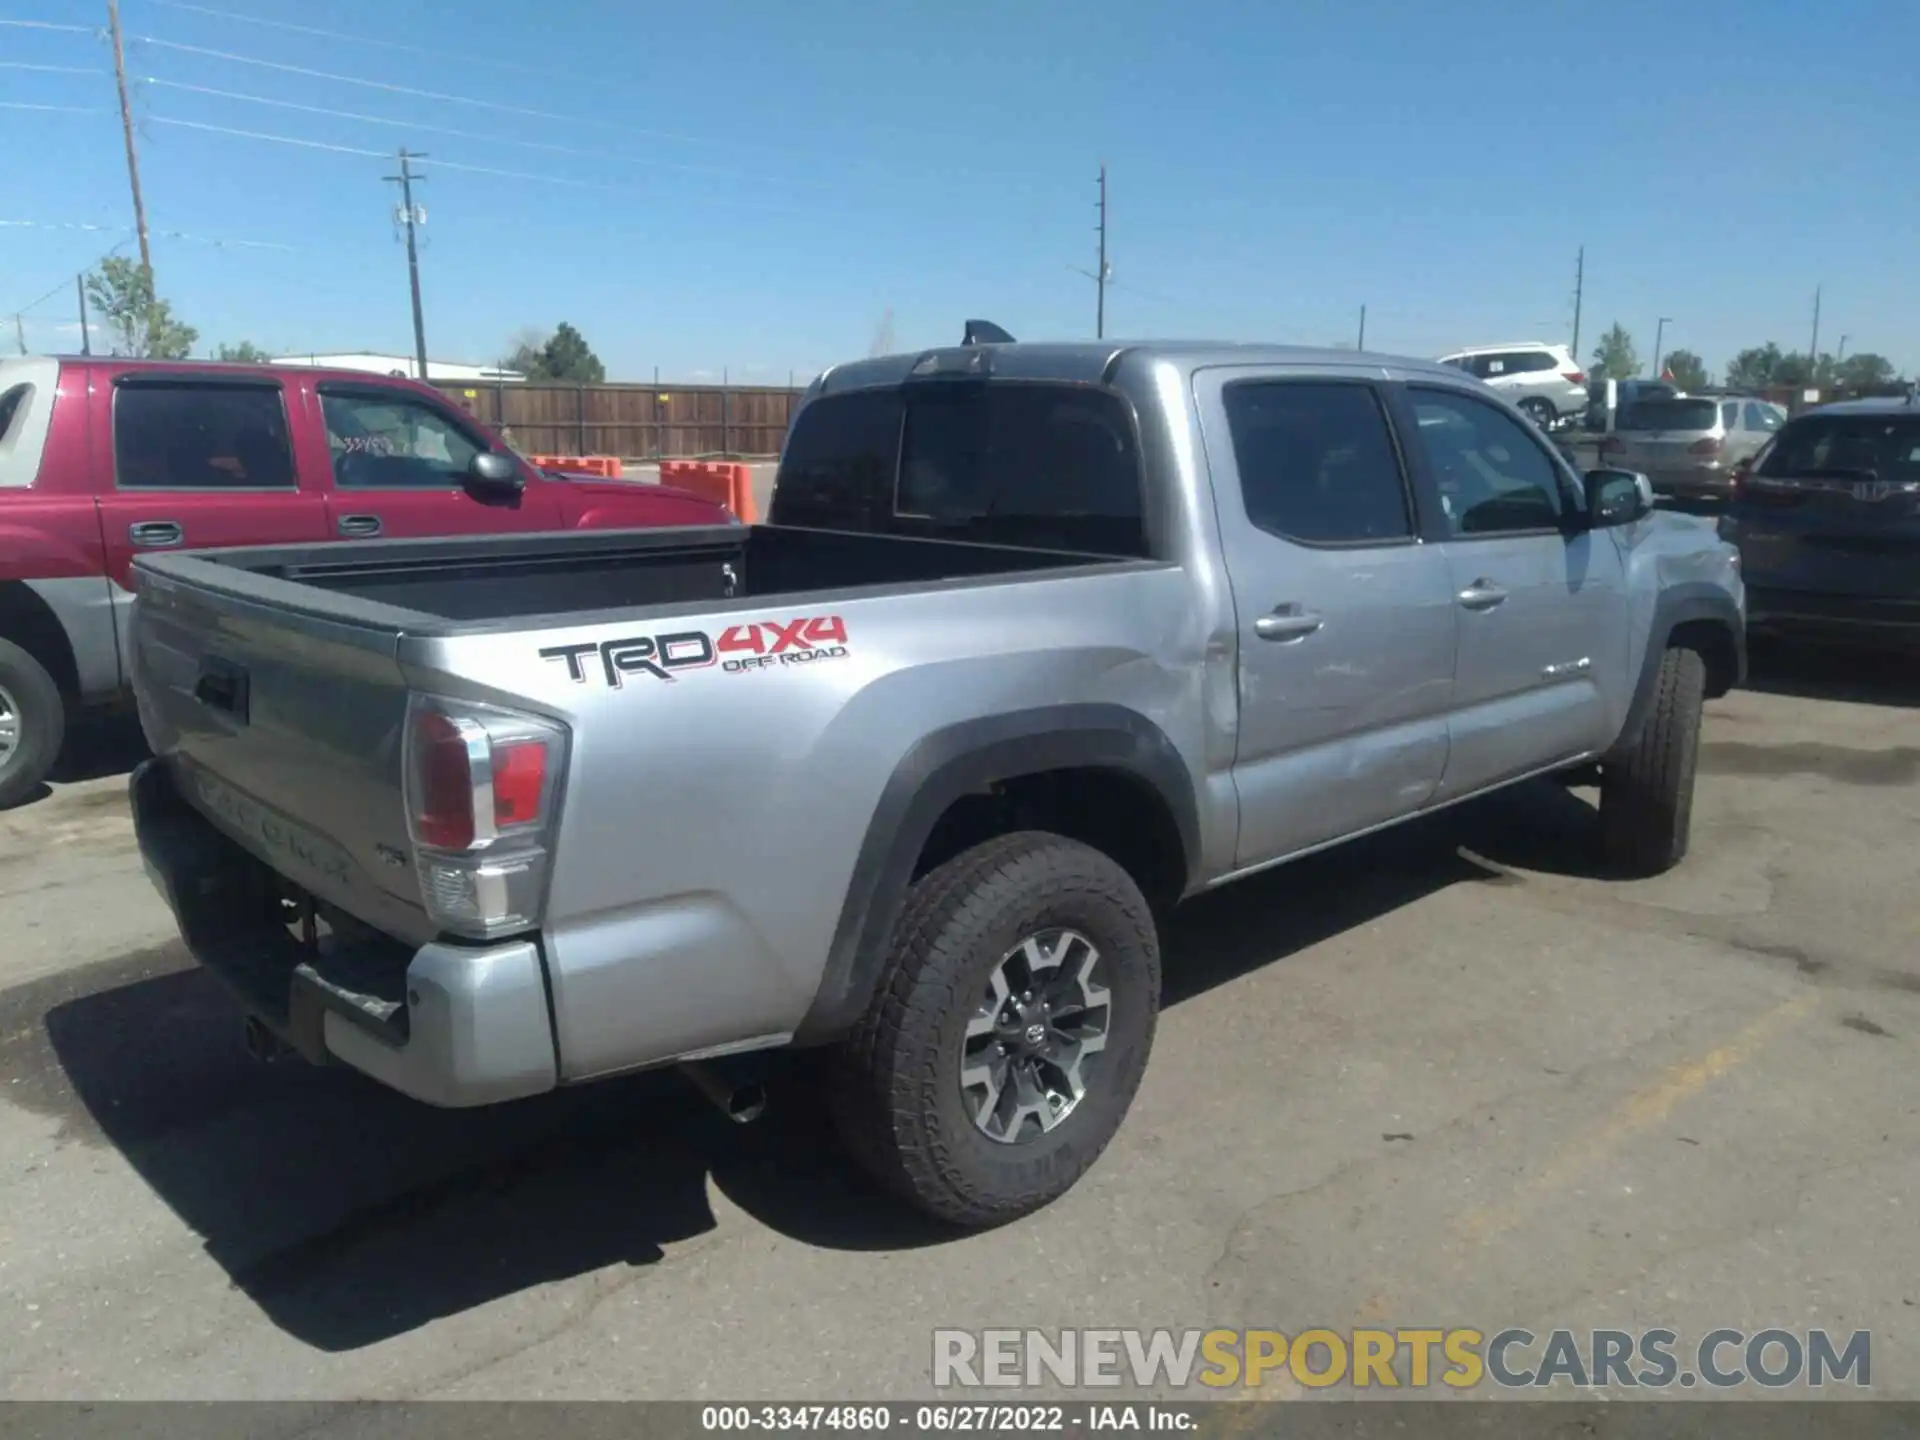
(1827, 520)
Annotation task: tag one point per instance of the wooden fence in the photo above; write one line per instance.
(635, 422)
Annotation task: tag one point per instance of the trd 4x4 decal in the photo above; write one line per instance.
(763, 645)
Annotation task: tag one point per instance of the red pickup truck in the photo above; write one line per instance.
(103, 458)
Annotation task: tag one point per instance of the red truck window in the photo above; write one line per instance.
(188, 436)
(390, 442)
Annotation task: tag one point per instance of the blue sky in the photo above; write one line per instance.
(752, 184)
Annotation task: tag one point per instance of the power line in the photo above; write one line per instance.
(576, 121)
(391, 89)
(458, 134)
(56, 109)
(52, 69)
(440, 55)
(277, 139)
(381, 155)
(50, 25)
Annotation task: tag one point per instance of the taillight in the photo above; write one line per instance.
(1708, 446)
(1574, 377)
(481, 787)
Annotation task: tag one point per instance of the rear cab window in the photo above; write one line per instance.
(1665, 414)
(187, 434)
(1006, 462)
(1846, 447)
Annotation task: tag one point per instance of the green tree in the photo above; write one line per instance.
(1689, 371)
(138, 322)
(1614, 358)
(245, 353)
(1756, 368)
(1865, 371)
(564, 356)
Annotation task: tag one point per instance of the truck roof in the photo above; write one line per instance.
(1093, 361)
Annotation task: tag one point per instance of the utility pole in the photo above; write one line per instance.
(86, 339)
(126, 133)
(411, 216)
(1813, 346)
(1659, 334)
(1362, 344)
(20, 333)
(1579, 286)
(1843, 349)
(1100, 280)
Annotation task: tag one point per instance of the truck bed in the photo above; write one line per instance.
(489, 580)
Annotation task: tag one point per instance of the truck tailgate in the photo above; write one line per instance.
(284, 729)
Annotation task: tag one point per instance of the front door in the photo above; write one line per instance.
(1346, 626)
(198, 462)
(399, 462)
(1542, 620)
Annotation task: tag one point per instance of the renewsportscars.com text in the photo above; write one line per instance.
(1458, 1358)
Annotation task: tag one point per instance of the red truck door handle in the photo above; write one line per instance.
(156, 533)
(359, 525)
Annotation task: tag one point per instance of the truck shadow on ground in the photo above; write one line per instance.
(350, 1215)
(1808, 670)
(95, 748)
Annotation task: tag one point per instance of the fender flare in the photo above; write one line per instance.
(956, 761)
(1681, 605)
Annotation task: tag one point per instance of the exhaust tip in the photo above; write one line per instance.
(747, 1104)
(262, 1044)
(742, 1102)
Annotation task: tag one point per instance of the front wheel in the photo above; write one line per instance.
(32, 724)
(1008, 1032)
(1646, 796)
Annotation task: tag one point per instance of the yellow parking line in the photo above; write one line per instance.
(1639, 1111)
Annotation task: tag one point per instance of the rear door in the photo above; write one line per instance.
(397, 466)
(1538, 597)
(197, 461)
(1346, 623)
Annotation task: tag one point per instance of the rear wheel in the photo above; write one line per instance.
(32, 721)
(1646, 797)
(1541, 412)
(1008, 1033)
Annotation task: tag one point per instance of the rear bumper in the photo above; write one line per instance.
(1776, 610)
(450, 1025)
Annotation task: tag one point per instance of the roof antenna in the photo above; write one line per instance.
(985, 332)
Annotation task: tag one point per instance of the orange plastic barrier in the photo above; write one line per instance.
(727, 482)
(607, 467)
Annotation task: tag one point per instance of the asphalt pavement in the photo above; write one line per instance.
(1442, 1077)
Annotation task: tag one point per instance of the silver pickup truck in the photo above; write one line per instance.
(1038, 641)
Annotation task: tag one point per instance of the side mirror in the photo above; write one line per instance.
(495, 474)
(1617, 497)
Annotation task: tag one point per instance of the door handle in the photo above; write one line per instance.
(1481, 595)
(1287, 623)
(156, 532)
(359, 525)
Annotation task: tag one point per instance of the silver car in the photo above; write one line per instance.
(1688, 445)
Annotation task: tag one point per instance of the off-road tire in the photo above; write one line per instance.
(894, 1083)
(43, 723)
(1646, 796)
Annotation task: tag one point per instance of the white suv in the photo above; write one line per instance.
(1543, 380)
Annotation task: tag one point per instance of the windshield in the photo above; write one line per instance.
(1885, 446)
(1669, 415)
